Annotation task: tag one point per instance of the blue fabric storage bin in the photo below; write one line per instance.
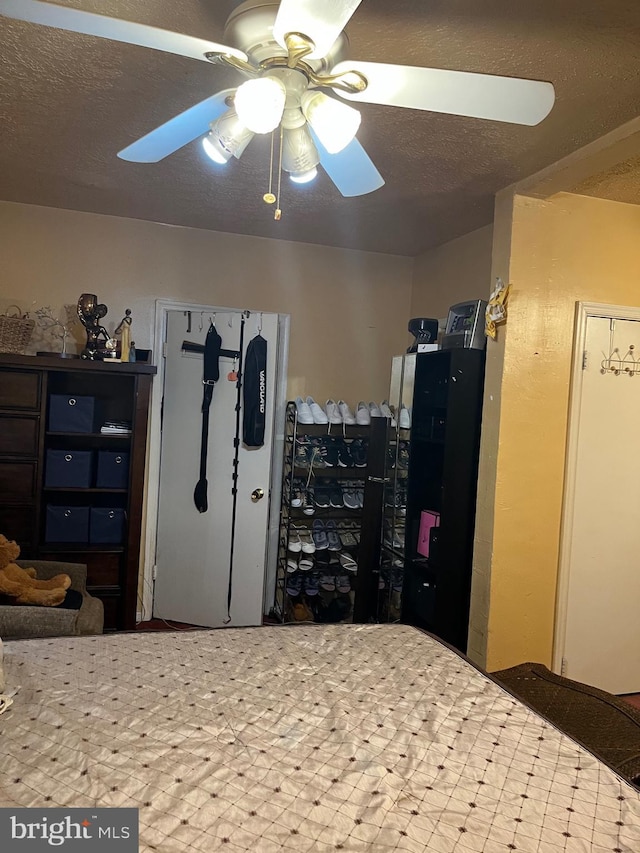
(113, 470)
(70, 469)
(67, 524)
(68, 413)
(106, 525)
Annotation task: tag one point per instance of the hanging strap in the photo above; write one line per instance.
(234, 488)
(211, 374)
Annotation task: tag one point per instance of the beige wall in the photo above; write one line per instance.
(348, 309)
(456, 271)
(489, 444)
(570, 248)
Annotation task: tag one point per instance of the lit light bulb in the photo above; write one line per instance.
(334, 123)
(259, 103)
(227, 138)
(303, 177)
(299, 154)
(214, 151)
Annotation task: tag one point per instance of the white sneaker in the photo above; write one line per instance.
(306, 542)
(386, 412)
(346, 413)
(295, 543)
(374, 411)
(304, 412)
(405, 417)
(317, 414)
(363, 415)
(333, 412)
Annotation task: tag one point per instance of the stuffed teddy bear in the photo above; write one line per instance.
(22, 586)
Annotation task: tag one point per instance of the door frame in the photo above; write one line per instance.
(154, 447)
(584, 311)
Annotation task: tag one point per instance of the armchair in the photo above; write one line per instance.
(20, 622)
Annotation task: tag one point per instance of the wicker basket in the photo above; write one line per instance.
(15, 331)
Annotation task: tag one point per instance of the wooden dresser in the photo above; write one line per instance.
(121, 392)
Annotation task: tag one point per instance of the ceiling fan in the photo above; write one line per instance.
(293, 54)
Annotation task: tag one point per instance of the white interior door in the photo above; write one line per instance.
(602, 640)
(193, 548)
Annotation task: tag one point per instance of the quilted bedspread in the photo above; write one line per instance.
(301, 738)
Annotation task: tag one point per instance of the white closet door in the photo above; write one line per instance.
(193, 548)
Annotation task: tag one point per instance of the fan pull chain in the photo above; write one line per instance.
(269, 197)
(278, 212)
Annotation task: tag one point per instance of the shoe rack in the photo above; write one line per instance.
(320, 482)
(393, 533)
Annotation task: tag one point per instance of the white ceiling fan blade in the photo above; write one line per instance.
(320, 20)
(351, 170)
(463, 93)
(88, 23)
(176, 132)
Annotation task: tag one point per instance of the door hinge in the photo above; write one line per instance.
(154, 573)
(563, 667)
(164, 349)
(584, 360)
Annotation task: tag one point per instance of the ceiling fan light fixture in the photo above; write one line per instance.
(260, 103)
(334, 123)
(299, 154)
(227, 138)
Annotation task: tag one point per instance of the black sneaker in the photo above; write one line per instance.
(315, 453)
(359, 453)
(335, 497)
(308, 501)
(345, 457)
(329, 452)
(322, 496)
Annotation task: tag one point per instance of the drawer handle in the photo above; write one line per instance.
(112, 514)
(72, 401)
(67, 513)
(118, 460)
(68, 457)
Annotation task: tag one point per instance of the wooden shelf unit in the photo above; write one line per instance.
(122, 392)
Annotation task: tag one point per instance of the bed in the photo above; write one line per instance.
(301, 738)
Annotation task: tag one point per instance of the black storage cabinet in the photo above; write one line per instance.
(443, 476)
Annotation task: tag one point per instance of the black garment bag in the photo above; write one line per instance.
(255, 392)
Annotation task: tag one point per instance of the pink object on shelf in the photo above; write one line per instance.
(428, 520)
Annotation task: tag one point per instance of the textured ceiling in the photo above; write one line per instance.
(621, 183)
(68, 103)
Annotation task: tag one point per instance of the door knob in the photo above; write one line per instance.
(257, 495)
